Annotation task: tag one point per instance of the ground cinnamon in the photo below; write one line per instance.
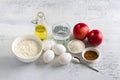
(91, 55)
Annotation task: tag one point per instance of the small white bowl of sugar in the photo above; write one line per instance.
(27, 48)
(76, 46)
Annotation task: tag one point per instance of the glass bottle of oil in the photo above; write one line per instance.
(40, 28)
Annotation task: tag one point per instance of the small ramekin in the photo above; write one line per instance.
(75, 52)
(91, 49)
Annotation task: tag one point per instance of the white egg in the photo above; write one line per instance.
(59, 49)
(47, 44)
(48, 56)
(65, 58)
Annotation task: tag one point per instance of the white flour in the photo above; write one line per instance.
(27, 48)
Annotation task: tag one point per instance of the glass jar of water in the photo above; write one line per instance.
(61, 33)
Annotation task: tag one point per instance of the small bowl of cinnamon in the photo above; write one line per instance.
(90, 54)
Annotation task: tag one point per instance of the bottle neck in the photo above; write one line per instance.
(40, 19)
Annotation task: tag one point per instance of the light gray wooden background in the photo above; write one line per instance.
(15, 17)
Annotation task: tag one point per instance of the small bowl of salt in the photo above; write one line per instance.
(27, 48)
(76, 46)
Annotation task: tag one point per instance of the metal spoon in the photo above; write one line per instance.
(81, 62)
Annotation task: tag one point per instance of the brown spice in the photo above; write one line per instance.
(91, 55)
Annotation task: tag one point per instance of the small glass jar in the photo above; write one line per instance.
(61, 33)
(40, 27)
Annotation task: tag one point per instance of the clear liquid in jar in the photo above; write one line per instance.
(61, 34)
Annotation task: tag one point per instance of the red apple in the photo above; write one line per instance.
(95, 37)
(80, 31)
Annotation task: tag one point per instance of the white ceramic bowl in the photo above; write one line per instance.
(91, 49)
(17, 40)
(75, 44)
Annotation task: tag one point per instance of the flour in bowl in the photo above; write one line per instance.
(27, 48)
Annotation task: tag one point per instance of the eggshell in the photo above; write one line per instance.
(59, 49)
(47, 44)
(65, 58)
(48, 56)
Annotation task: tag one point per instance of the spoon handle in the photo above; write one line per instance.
(81, 62)
(90, 67)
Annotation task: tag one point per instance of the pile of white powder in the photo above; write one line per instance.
(27, 48)
(76, 46)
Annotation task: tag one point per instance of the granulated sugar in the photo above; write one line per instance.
(76, 46)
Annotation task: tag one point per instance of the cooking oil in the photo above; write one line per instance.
(40, 32)
(40, 28)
